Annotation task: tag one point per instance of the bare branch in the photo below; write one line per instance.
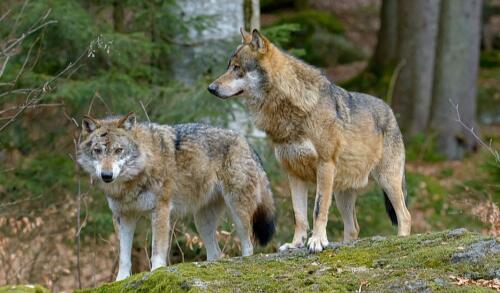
(5, 15)
(489, 148)
(6, 51)
(40, 92)
(145, 112)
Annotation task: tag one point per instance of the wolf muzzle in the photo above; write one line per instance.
(107, 176)
(213, 89)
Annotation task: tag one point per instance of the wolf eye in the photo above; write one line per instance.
(118, 151)
(236, 67)
(97, 151)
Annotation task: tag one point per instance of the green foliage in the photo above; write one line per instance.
(423, 147)
(270, 5)
(33, 179)
(312, 20)
(490, 59)
(318, 34)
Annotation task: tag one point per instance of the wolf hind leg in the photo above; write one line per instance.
(206, 220)
(390, 176)
(346, 203)
(241, 215)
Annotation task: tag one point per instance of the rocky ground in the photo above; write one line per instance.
(448, 261)
(454, 260)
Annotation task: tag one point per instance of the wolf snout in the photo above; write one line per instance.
(213, 88)
(107, 176)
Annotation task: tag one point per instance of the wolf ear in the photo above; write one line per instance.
(89, 124)
(128, 121)
(245, 36)
(258, 42)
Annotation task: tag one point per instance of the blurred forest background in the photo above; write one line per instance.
(61, 59)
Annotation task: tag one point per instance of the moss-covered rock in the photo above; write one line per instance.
(24, 289)
(418, 263)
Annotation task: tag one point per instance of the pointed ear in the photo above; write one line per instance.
(89, 125)
(245, 36)
(258, 42)
(128, 121)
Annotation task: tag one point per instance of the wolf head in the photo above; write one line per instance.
(108, 150)
(246, 71)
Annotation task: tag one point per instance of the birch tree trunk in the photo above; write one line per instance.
(417, 32)
(456, 76)
(252, 14)
(386, 50)
(207, 48)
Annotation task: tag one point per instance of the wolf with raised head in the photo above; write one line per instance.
(321, 134)
(151, 169)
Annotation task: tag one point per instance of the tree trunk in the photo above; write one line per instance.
(456, 75)
(118, 16)
(385, 52)
(251, 9)
(417, 32)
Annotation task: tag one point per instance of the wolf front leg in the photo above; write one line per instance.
(298, 190)
(160, 222)
(324, 179)
(126, 229)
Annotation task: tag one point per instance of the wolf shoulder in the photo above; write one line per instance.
(363, 108)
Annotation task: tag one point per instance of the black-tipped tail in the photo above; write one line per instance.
(388, 205)
(390, 210)
(263, 224)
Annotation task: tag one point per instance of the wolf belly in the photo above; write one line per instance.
(352, 168)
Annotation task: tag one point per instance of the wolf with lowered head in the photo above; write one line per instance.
(321, 133)
(150, 169)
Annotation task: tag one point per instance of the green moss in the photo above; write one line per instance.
(376, 264)
(24, 289)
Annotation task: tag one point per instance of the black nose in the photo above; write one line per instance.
(212, 88)
(107, 176)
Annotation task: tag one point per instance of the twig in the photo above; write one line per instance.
(146, 244)
(5, 15)
(24, 35)
(78, 225)
(392, 82)
(4, 65)
(145, 112)
(172, 230)
(32, 106)
(41, 91)
(16, 202)
(178, 245)
(489, 148)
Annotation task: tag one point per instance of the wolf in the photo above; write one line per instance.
(321, 134)
(150, 169)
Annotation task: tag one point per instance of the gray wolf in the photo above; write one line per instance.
(321, 133)
(151, 169)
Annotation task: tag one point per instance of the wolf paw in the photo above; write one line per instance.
(289, 246)
(317, 244)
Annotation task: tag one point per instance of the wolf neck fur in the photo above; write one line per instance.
(291, 92)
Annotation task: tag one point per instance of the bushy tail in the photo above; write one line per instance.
(263, 217)
(388, 205)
